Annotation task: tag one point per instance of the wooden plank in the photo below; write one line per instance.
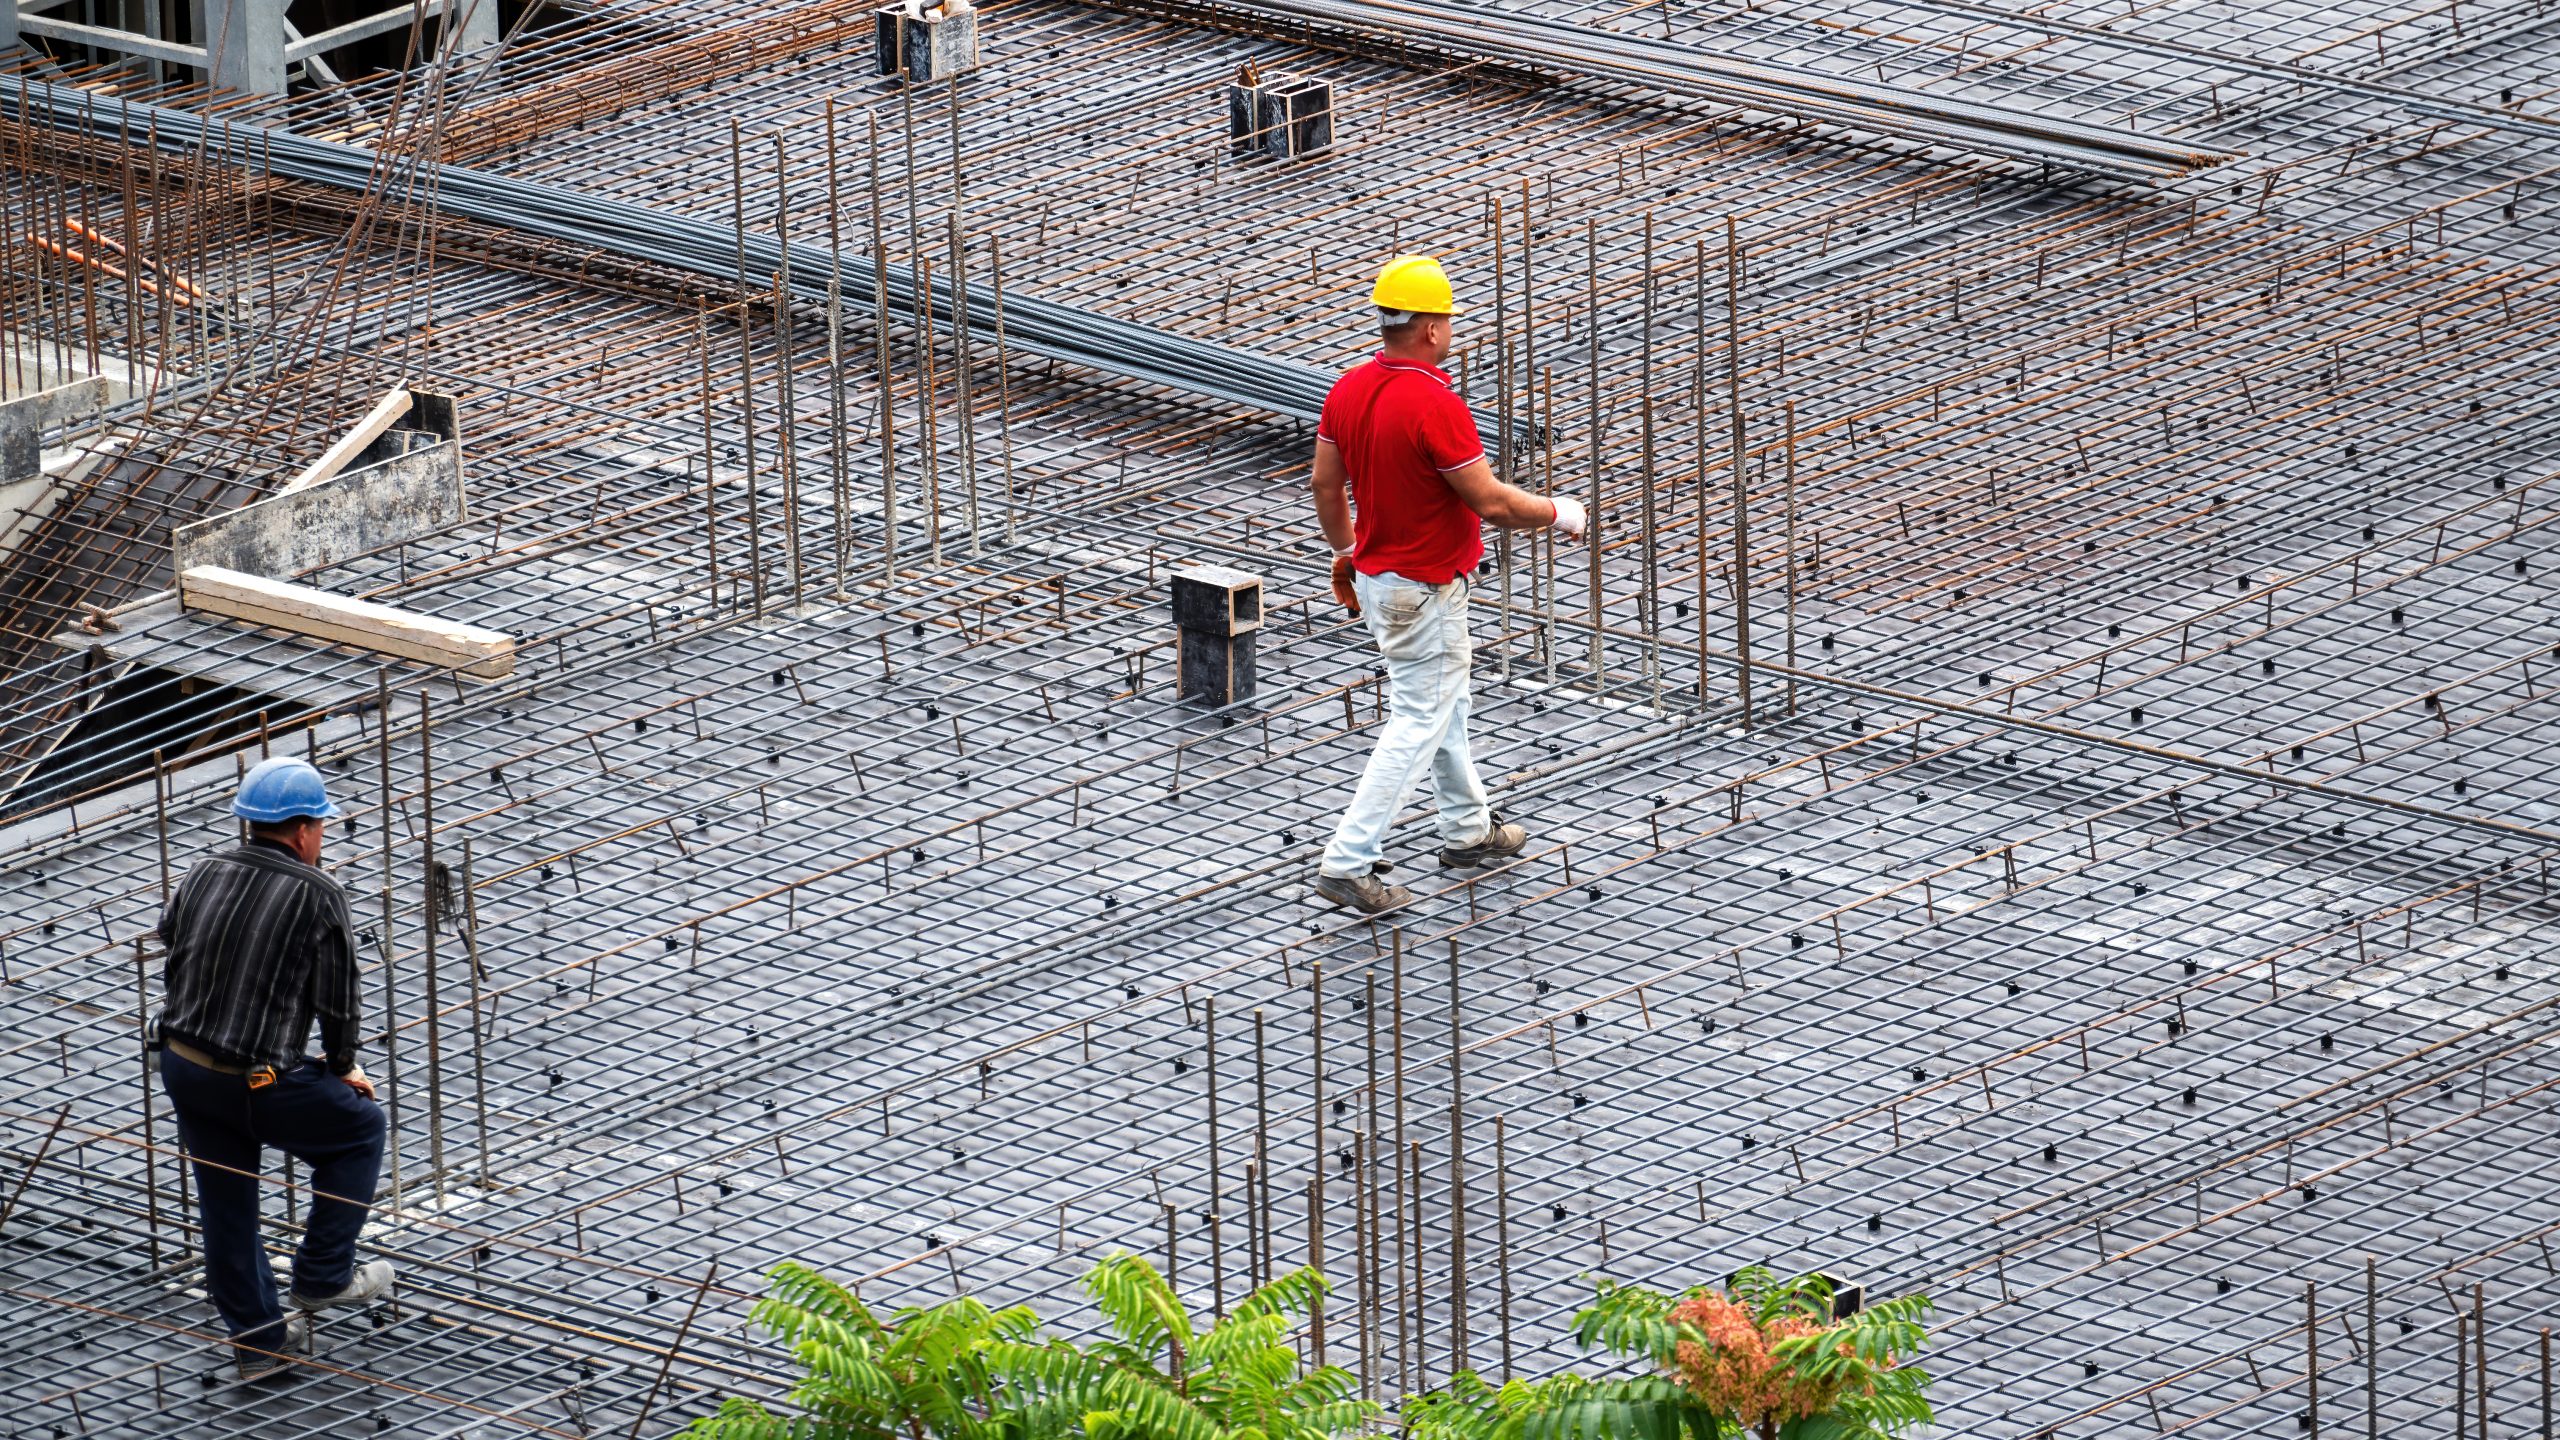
(392, 405)
(335, 519)
(341, 620)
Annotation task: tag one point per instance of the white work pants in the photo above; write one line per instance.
(1422, 632)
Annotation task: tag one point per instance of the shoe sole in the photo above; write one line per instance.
(1472, 859)
(263, 1368)
(307, 1304)
(1356, 908)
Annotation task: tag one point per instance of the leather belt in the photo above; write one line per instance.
(196, 1057)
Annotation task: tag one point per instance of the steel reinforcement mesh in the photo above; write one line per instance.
(2124, 916)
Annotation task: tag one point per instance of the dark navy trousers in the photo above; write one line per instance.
(309, 1114)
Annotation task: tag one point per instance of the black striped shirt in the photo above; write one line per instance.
(259, 946)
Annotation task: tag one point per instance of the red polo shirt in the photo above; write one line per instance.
(1401, 428)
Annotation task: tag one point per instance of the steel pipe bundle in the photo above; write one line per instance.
(1033, 326)
(1539, 43)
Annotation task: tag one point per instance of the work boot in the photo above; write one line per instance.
(1501, 842)
(1365, 893)
(272, 1355)
(371, 1282)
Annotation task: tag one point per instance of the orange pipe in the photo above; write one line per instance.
(83, 258)
(183, 283)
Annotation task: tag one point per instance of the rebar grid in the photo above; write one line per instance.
(726, 1010)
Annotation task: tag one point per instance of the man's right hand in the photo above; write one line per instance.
(1570, 520)
(1342, 586)
(359, 1082)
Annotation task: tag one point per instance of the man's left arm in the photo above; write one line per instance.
(1450, 439)
(335, 997)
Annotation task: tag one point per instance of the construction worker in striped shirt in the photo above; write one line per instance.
(260, 946)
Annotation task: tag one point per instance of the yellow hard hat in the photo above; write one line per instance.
(1415, 283)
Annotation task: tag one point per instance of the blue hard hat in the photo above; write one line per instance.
(282, 789)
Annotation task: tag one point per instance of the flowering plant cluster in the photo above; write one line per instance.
(1774, 1357)
(1759, 1357)
(1731, 1366)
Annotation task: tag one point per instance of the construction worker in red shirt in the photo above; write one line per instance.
(1402, 490)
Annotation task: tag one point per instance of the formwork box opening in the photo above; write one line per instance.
(924, 42)
(1216, 612)
(1217, 599)
(1282, 118)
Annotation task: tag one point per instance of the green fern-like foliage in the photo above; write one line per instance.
(1633, 1321)
(960, 1371)
(1157, 1377)
(1882, 1395)
(921, 1374)
(1563, 1407)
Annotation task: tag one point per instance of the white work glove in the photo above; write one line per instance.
(1570, 519)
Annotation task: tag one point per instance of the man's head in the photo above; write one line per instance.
(1415, 307)
(301, 835)
(1414, 336)
(286, 801)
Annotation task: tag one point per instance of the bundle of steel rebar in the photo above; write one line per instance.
(1043, 328)
(1541, 43)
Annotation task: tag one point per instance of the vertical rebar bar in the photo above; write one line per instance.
(1315, 1042)
(2311, 1359)
(1217, 1155)
(427, 909)
(1259, 1188)
(1741, 480)
(1457, 1173)
(479, 1066)
(150, 1102)
(1650, 605)
(1421, 1316)
(160, 817)
(1502, 1234)
(888, 375)
(929, 416)
(839, 470)
(747, 369)
(1367, 1158)
(1315, 1184)
(1316, 1259)
(1591, 403)
(390, 950)
(888, 419)
(963, 406)
(1546, 396)
(1004, 415)
(2480, 1353)
(2372, 1354)
(1790, 553)
(1362, 1249)
(786, 425)
(1252, 1231)
(2546, 1384)
(2462, 1375)
(1502, 427)
(1698, 427)
(1403, 1266)
(710, 459)
(961, 362)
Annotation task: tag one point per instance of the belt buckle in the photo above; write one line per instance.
(261, 1076)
